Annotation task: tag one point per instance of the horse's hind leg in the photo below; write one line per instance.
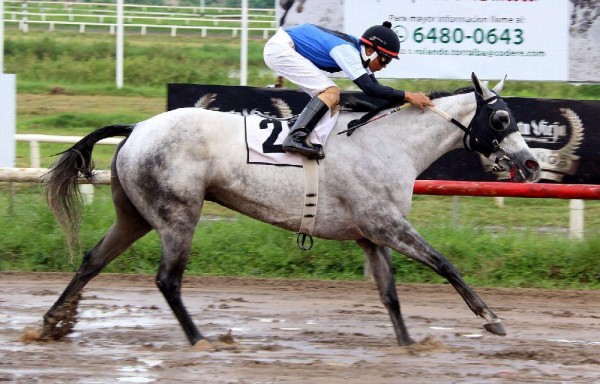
(173, 209)
(381, 263)
(176, 244)
(128, 227)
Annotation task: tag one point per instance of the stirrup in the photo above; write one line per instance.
(304, 150)
(320, 155)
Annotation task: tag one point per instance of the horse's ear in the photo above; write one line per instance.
(476, 83)
(480, 88)
(499, 86)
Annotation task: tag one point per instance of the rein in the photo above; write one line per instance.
(355, 124)
(451, 119)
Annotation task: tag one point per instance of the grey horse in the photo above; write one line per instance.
(171, 163)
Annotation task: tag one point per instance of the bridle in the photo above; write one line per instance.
(490, 125)
(492, 113)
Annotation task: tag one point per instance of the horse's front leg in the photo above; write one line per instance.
(402, 237)
(381, 264)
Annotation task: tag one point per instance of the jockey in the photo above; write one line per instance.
(301, 54)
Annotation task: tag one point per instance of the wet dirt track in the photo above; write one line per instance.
(291, 331)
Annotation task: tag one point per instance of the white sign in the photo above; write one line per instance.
(8, 110)
(449, 39)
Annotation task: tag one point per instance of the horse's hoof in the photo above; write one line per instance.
(495, 327)
(203, 345)
(31, 335)
(407, 342)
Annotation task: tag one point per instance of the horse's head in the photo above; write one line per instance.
(493, 132)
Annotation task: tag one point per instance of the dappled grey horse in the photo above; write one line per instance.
(171, 163)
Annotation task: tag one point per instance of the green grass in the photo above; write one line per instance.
(516, 255)
(76, 61)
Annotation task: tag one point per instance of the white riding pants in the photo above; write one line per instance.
(280, 55)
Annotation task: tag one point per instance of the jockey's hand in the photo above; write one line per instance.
(419, 100)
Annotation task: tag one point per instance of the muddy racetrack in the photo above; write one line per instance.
(291, 331)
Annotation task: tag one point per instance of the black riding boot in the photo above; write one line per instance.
(306, 122)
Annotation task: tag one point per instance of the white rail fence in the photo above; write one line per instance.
(34, 141)
(35, 174)
(69, 6)
(130, 18)
(92, 16)
(143, 28)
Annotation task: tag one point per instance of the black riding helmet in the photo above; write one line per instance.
(383, 40)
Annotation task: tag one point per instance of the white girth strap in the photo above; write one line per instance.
(311, 192)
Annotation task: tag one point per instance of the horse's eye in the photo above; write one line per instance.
(500, 120)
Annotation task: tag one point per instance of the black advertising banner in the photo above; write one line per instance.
(564, 134)
(276, 102)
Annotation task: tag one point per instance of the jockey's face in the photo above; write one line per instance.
(378, 64)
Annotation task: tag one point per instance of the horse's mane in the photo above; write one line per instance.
(460, 91)
(354, 104)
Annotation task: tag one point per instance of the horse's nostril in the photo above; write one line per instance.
(532, 164)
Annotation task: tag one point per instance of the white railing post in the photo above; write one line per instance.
(24, 26)
(119, 45)
(34, 154)
(244, 45)
(87, 193)
(576, 219)
(8, 118)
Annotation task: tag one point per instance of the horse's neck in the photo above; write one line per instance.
(428, 136)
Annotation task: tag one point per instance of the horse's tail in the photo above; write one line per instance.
(62, 195)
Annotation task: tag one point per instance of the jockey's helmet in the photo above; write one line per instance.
(381, 38)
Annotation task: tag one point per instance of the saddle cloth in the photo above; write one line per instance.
(264, 137)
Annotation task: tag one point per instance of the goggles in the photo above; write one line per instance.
(384, 59)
